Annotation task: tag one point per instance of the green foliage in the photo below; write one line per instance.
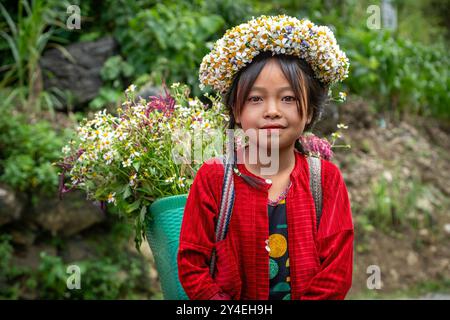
(399, 75)
(116, 275)
(100, 279)
(114, 73)
(9, 274)
(170, 41)
(26, 38)
(27, 151)
(114, 69)
(106, 96)
(395, 203)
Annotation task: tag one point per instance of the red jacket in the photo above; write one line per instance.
(321, 262)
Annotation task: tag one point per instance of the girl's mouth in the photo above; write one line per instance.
(272, 128)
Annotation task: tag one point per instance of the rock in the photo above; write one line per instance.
(11, 205)
(424, 204)
(412, 258)
(69, 216)
(31, 256)
(328, 122)
(447, 228)
(23, 236)
(387, 176)
(77, 250)
(80, 73)
(394, 274)
(149, 90)
(356, 114)
(424, 232)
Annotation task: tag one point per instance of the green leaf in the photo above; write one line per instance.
(133, 206)
(127, 192)
(143, 213)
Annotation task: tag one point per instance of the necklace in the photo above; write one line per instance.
(280, 197)
(269, 201)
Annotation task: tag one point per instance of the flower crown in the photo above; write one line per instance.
(280, 34)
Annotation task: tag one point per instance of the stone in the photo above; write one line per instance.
(23, 236)
(412, 258)
(447, 228)
(31, 256)
(77, 249)
(68, 216)
(79, 73)
(11, 205)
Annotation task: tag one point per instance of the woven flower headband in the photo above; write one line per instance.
(280, 34)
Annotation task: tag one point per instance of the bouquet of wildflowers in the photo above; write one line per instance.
(128, 160)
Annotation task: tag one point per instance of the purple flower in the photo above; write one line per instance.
(289, 29)
(66, 165)
(164, 104)
(316, 146)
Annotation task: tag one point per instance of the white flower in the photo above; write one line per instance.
(112, 198)
(134, 154)
(121, 135)
(342, 126)
(132, 180)
(126, 163)
(342, 96)
(131, 88)
(108, 157)
(192, 102)
(180, 181)
(170, 180)
(66, 149)
(242, 43)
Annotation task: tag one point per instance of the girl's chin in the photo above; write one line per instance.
(267, 144)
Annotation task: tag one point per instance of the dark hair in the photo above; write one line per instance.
(310, 93)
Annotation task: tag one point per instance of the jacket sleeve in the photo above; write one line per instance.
(197, 236)
(334, 240)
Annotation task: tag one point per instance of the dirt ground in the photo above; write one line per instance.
(412, 252)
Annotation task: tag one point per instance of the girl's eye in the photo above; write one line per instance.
(254, 99)
(289, 98)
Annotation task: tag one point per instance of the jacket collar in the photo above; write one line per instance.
(296, 172)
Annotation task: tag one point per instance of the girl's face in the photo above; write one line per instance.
(271, 101)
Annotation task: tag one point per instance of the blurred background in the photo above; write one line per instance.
(61, 62)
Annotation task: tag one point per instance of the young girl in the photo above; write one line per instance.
(274, 72)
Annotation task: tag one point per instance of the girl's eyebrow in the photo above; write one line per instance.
(262, 89)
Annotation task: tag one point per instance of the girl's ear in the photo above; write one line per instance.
(309, 119)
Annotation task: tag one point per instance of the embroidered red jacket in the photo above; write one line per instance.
(321, 262)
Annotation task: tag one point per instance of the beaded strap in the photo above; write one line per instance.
(226, 207)
(316, 185)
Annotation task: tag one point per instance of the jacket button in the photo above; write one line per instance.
(268, 181)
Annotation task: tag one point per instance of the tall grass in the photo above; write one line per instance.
(27, 37)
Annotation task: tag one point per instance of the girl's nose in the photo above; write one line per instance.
(272, 110)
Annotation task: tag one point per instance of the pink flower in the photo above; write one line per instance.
(164, 104)
(316, 146)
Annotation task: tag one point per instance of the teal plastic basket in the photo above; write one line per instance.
(163, 231)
